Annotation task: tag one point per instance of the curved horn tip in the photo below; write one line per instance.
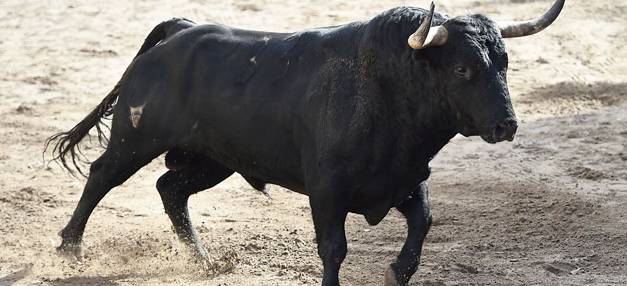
(526, 28)
(432, 7)
(427, 36)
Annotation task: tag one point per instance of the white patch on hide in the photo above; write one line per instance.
(136, 114)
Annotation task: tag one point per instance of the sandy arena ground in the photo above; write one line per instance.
(549, 208)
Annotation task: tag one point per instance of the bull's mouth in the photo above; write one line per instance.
(489, 138)
(490, 135)
(500, 133)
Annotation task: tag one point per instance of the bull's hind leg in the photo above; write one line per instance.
(120, 161)
(193, 173)
(416, 211)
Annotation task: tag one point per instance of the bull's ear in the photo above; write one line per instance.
(427, 36)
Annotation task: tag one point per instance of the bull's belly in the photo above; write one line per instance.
(272, 158)
(375, 194)
(253, 156)
(375, 203)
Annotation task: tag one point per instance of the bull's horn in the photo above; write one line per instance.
(427, 36)
(526, 28)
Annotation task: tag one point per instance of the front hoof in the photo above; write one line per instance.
(390, 277)
(200, 253)
(70, 250)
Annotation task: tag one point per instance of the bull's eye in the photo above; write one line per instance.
(462, 72)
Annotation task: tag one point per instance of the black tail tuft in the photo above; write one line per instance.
(66, 148)
(67, 143)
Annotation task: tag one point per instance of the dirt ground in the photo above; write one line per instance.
(546, 209)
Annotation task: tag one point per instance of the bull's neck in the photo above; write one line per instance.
(401, 93)
(424, 119)
(413, 105)
(404, 84)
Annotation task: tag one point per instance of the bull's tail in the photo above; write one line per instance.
(66, 147)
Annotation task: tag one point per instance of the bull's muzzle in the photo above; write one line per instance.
(504, 130)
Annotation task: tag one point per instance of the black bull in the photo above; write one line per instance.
(349, 115)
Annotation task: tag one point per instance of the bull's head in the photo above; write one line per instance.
(475, 60)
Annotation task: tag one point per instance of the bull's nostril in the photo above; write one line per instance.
(505, 130)
(510, 123)
(499, 132)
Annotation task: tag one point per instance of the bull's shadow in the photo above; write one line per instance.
(89, 280)
(16, 276)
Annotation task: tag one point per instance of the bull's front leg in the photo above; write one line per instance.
(329, 215)
(416, 211)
